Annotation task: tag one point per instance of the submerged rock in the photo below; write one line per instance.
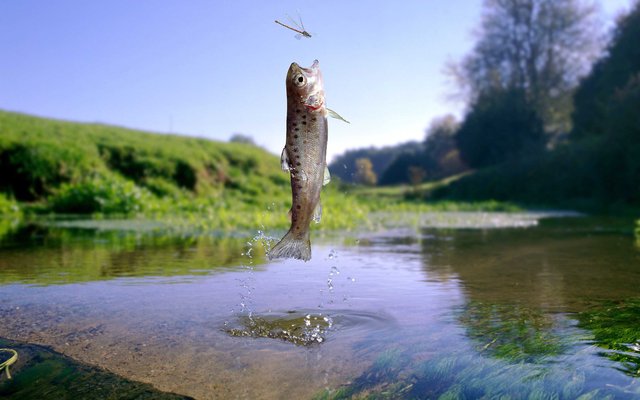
(41, 373)
(293, 327)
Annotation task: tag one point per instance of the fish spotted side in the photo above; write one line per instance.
(304, 157)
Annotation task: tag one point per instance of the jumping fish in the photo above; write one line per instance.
(304, 157)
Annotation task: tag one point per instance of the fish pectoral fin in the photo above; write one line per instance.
(327, 176)
(284, 160)
(335, 115)
(317, 213)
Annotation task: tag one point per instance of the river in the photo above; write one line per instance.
(449, 305)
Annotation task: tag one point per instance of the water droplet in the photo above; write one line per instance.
(335, 270)
(333, 254)
(351, 279)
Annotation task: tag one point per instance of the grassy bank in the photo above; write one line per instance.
(40, 159)
(64, 167)
(51, 166)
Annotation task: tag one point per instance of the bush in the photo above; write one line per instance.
(31, 171)
(8, 207)
(568, 174)
(101, 195)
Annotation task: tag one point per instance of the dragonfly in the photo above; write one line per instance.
(299, 27)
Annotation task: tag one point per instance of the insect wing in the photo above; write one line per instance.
(295, 23)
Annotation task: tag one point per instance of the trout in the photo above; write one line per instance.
(304, 157)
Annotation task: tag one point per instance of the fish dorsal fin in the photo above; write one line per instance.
(327, 176)
(335, 115)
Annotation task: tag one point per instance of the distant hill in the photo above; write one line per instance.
(38, 156)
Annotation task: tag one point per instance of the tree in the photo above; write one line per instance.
(344, 165)
(242, 138)
(541, 47)
(436, 158)
(609, 75)
(364, 172)
(416, 176)
(441, 157)
(500, 127)
(398, 171)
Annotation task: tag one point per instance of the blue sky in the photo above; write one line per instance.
(212, 68)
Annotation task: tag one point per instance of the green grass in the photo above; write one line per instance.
(66, 167)
(39, 155)
(399, 192)
(52, 166)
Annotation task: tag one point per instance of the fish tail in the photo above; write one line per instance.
(292, 247)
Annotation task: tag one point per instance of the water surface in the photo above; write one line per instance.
(453, 305)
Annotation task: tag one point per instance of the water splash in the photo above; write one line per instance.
(247, 282)
(297, 328)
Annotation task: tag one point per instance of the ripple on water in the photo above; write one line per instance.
(303, 327)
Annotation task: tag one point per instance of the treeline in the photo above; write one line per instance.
(412, 162)
(597, 164)
(553, 112)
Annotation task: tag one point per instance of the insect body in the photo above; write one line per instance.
(299, 27)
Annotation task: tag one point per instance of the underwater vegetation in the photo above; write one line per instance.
(391, 376)
(43, 374)
(519, 353)
(513, 333)
(616, 330)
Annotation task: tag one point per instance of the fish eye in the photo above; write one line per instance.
(299, 80)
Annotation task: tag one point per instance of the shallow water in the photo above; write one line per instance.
(455, 305)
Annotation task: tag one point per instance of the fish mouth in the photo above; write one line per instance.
(313, 69)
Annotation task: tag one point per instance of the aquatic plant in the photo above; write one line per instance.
(6, 363)
(513, 333)
(465, 376)
(520, 353)
(616, 330)
(45, 374)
